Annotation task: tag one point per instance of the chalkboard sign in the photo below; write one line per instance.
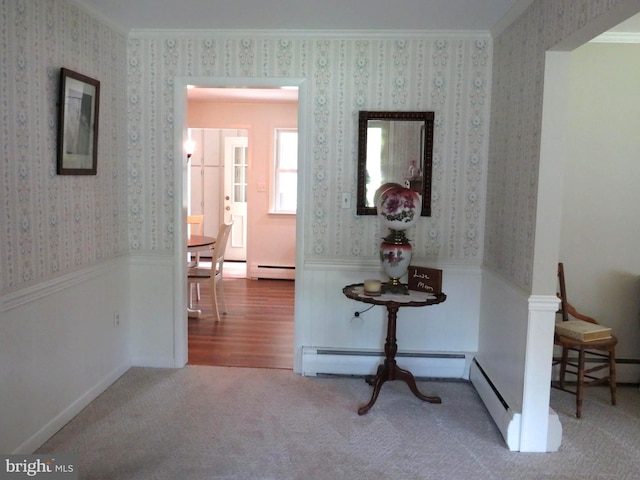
(423, 279)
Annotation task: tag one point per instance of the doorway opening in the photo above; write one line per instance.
(234, 182)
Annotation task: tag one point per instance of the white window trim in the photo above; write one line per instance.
(273, 173)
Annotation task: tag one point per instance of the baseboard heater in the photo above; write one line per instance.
(505, 417)
(507, 421)
(273, 272)
(337, 361)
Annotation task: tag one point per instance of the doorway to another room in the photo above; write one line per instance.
(237, 181)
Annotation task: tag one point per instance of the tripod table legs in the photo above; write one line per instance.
(389, 370)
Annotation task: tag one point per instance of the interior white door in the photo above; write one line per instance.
(235, 196)
(206, 179)
(196, 195)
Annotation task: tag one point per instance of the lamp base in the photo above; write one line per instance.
(394, 286)
(395, 255)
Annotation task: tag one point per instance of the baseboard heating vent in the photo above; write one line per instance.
(282, 272)
(490, 383)
(507, 421)
(318, 361)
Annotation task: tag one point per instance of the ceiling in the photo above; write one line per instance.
(302, 14)
(632, 25)
(469, 15)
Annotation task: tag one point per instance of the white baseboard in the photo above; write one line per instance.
(153, 362)
(627, 370)
(48, 430)
(336, 361)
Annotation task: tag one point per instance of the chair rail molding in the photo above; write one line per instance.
(23, 296)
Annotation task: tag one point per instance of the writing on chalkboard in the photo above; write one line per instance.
(424, 279)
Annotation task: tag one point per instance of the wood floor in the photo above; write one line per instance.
(257, 330)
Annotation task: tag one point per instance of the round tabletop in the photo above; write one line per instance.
(200, 241)
(412, 298)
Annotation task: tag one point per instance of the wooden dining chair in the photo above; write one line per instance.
(213, 275)
(195, 223)
(587, 350)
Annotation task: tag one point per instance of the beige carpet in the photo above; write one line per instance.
(244, 424)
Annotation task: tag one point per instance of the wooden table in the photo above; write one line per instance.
(389, 370)
(198, 243)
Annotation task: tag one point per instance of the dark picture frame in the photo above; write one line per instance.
(78, 105)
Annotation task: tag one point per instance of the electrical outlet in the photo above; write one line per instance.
(346, 200)
(116, 319)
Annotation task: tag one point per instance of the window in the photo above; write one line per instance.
(286, 171)
(239, 179)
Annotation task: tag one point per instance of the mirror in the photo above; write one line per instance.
(394, 147)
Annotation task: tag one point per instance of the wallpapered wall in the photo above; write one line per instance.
(345, 74)
(516, 116)
(54, 224)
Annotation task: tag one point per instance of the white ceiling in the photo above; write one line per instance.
(303, 14)
(478, 15)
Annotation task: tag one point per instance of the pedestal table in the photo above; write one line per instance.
(389, 370)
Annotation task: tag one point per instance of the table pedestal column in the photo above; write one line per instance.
(389, 370)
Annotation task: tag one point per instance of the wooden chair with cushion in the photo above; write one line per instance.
(213, 275)
(587, 350)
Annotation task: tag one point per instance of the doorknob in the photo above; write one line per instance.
(227, 197)
(227, 207)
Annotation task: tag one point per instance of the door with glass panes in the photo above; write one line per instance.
(217, 184)
(235, 196)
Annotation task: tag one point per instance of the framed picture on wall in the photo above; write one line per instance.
(78, 124)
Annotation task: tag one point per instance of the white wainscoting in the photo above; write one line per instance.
(61, 348)
(153, 301)
(433, 341)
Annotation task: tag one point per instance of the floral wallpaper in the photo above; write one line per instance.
(516, 116)
(54, 224)
(446, 73)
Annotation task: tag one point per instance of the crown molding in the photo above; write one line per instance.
(512, 14)
(617, 37)
(256, 33)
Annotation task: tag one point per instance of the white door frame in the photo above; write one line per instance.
(180, 336)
